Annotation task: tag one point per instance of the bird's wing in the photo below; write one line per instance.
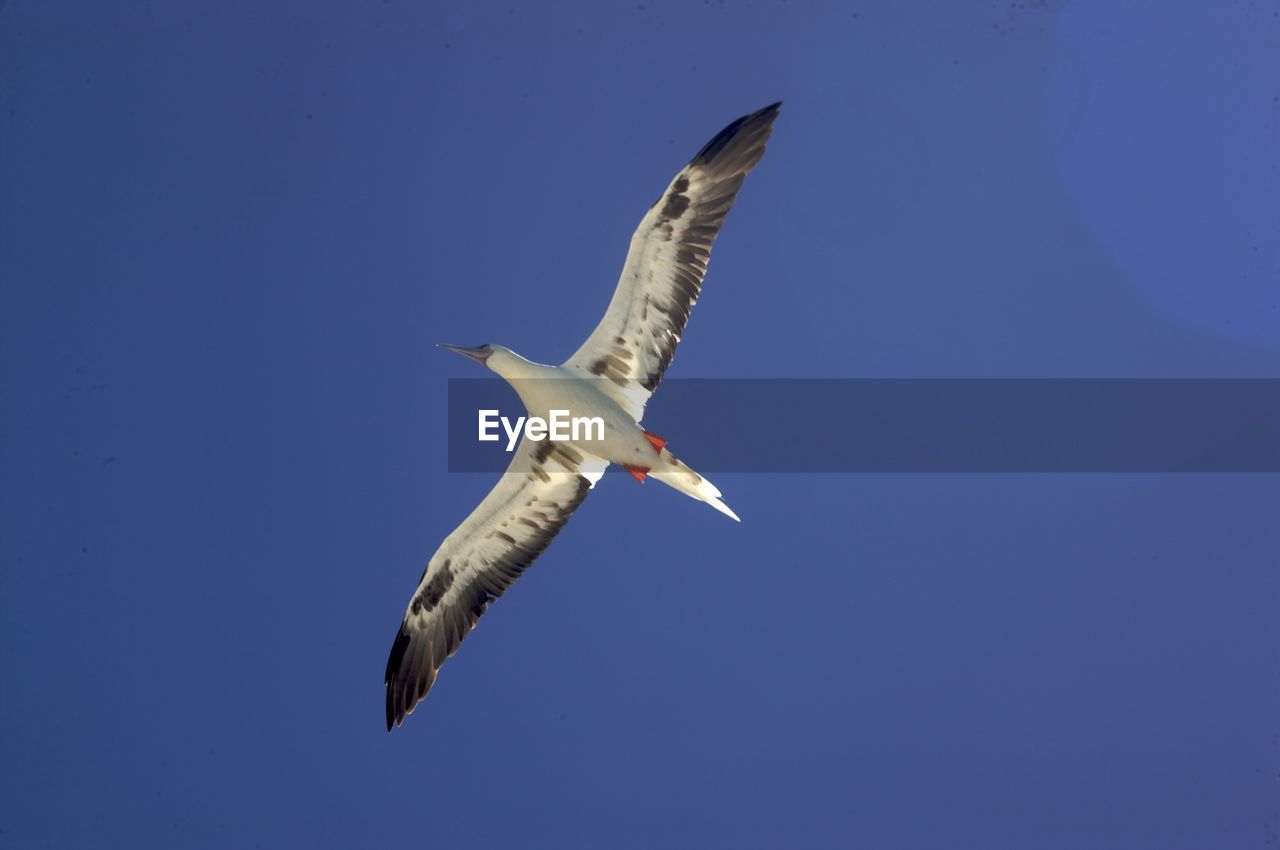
(541, 488)
(635, 341)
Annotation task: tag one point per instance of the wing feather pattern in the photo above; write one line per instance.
(510, 528)
(635, 341)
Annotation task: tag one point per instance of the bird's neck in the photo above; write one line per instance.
(513, 367)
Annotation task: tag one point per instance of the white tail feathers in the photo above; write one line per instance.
(724, 509)
(682, 478)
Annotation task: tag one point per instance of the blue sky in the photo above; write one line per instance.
(232, 236)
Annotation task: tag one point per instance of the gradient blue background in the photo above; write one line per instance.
(233, 233)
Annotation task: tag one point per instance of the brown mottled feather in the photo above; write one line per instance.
(636, 340)
(479, 561)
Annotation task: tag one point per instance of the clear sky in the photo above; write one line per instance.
(231, 234)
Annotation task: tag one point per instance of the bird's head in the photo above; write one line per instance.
(480, 353)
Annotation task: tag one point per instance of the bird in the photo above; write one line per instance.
(611, 376)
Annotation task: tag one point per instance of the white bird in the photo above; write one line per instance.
(611, 376)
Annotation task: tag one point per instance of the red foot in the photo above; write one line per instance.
(637, 472)
(654, 440)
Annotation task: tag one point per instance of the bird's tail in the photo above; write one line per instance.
(675, 474)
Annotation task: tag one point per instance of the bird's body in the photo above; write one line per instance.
(544, 388)
(610, 377)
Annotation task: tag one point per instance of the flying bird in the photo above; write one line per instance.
(611, 376)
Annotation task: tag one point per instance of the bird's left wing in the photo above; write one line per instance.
(633, 344)
(541, 488)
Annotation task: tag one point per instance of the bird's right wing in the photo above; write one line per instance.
(634, 343)
(541, 488)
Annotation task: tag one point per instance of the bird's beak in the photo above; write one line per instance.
(479, 354)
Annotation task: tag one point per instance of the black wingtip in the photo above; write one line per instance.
(748, 133)
(398, 649)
